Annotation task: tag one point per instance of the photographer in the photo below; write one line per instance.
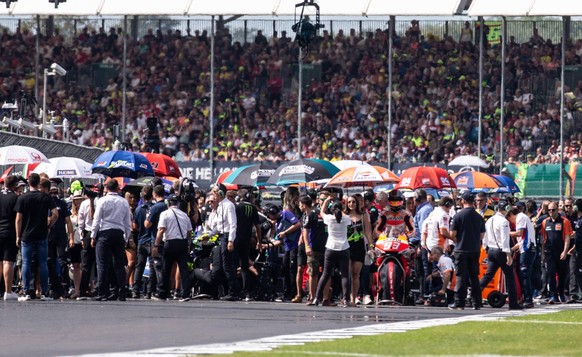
(175, 230)
(187, 202)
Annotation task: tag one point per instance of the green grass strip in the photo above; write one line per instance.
(555, 334)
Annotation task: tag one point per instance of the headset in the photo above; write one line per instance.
(221, 190)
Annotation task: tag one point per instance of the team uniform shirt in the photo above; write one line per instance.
(431, 227)
(176, 222)
(555, 233)
(497, 233)
(144, 235)
(337, 232)
(527, 240)
(446, 264)
(285, 221)
(315, 234)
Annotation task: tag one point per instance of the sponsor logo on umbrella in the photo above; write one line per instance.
(297, 169)
(154, 166)
(121, 163)
(445, 181)
(406, 181)
(463, 180)
(35, 156)
(144, 166)
(260, 173)
(66, 172)
(425, 181)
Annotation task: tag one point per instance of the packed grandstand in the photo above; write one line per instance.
(435, 94)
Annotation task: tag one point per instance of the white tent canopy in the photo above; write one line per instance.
(500, 7)
(287, 7)
(411, 7)
(556, 7)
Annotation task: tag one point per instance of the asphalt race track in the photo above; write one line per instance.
(87, 327)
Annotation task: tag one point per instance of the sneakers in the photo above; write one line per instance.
(368, 300)
(46, 298)
(184, 299)
(10, 296)
(454, 306)
(25, 298)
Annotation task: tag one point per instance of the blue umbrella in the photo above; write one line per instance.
(118, 163)
(509, 186)
(303, 170)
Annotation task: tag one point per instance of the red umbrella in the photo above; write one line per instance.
(425, 177)
(222, 177)
(163, 165)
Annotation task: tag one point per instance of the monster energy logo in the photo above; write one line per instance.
(248, 210)
(355, 237)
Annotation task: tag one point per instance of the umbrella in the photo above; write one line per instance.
(23, 170)
(163, 165)
(425, 177)
(468, 160)
(345, 164)
(119, 163)
(364, 176)
(476, 181)
(509, 186)
(251, 175)
(223, 176)
(302, 170)
(66, 167)
(147, 180)
(14, 154)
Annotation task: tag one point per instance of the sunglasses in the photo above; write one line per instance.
(552, 209)
(567, 205)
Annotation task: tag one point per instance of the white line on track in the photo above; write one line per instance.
(270, 343)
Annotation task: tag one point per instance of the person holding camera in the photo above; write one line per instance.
(174, 234)
(110, 234)
(223, 220)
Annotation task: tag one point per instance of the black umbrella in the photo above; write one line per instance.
(303, 170)
(251, 175)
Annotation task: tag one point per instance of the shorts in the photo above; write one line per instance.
(301, 256)
(75, 253)
(315, 262)
(8, 250)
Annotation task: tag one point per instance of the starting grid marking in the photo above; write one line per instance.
(270, 343)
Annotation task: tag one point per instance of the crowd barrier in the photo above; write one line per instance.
(51, 148)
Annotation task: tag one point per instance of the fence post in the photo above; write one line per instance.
(447, 28)
(331, 28)
(245, 30)
(75, 27)
(361, 28)
(274, 29)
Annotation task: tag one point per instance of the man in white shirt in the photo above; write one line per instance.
(499, 255)
(85, 219)
(175, 231)
(223, 220)
(525, 234)
(109, 235)
(446, 271)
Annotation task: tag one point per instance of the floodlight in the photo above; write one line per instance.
(13, 106)
(26, 124)
(13, 123)
(8, 2)
(48, 129)
(56, 2)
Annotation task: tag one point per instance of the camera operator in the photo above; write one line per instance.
(187, 202)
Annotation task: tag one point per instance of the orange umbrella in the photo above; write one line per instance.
(425, 177)
(476, 181)
(363, 176)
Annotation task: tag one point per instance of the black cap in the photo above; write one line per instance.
(519, 204)
(172, 198)
(468, 196)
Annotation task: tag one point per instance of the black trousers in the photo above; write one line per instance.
(175, 251)
(58, 273)
(342, 260)
(578, 268)
(554, 265)
(110, 246)
(228, 265)
(497, 259)
(289, 270)
(87, 262)
(143, 252)
(467, 271)
(573, 286)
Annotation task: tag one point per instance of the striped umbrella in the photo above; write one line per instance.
(475, 181)
(302, 170)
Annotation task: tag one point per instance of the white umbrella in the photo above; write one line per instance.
(14, 154)
(66, 167)
(468, 160)
(346, 164)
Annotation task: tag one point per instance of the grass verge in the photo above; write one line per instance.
(555, 334)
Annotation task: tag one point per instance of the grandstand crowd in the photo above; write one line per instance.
(435, 94)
